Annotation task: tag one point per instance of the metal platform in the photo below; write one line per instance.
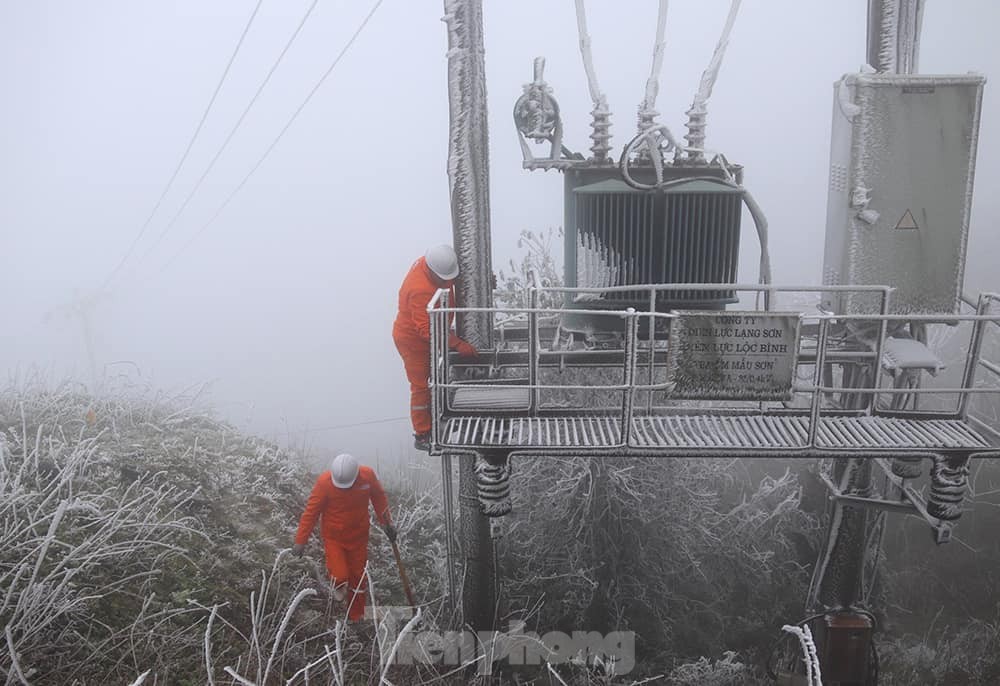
(483, 397)
(652, 396)
(719, 434)
(885, 434)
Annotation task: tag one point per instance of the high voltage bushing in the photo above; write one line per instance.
(908, 467)
(493, 484)
(696, 133)
(948, 485)
(647, 119)
(601, 135)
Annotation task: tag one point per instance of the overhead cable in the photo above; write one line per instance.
(335, 427)
(601, 115)
(235, 128)
(278, 138)
(711, 72)
(699, 108)
(647, 108)
(187, 150)
(596, 95)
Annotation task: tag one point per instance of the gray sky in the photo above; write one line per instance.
(285, 303)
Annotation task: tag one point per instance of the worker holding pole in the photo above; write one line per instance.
(340, 498)
(411, 332)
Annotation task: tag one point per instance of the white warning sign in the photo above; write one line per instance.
(907, 222)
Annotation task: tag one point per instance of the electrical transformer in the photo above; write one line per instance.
(902, 162)
(617, 235)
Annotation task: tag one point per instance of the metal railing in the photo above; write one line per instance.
(767, 290)
(821, 357)
(440, 380)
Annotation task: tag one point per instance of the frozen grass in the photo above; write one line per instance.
(132, 520)
(675, 550)
(140, 534)
(84, 540)
(727, 671)
(141, 541)
(968, 655)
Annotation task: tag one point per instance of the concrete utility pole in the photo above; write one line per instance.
(468, 177)
(841, 581)
(894, 35)
(893, 47)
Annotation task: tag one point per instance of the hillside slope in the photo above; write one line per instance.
(125, 518)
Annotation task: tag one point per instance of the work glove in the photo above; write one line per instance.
(298, 549)
(390, 532)
(466, 349)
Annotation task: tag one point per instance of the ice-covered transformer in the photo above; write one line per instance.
(617, 235)
(902, 162)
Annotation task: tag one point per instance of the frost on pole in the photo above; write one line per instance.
(468, 179)
(468, 166)
(894, 35)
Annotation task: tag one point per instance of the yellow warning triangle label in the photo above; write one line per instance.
(907, 221)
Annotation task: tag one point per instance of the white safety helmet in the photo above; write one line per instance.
(344, 470)
(443, 261)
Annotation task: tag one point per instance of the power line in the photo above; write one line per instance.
(233, 130)
(277, 139)
(387, 420)
(187, 150)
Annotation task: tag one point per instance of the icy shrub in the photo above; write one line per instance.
(728, 671)
(966, 656)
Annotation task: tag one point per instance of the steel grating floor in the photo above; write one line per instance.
(721, 431)
(517, 432)
(887, 433)
(762, 433)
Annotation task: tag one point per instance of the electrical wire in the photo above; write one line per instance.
(335, 427)
(711, 72)
(809, 654)
(187, 150)
(596, 95)
(233, 130)
(699, 108)
(770, 667)
(277, 139)
(648, 105)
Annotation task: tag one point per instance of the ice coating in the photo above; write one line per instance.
(711, 73)
(468, 166)
(876, 166)
(894, 35)
(888, 36)
(809, 655)
(699, 108)
(596, 95)
(601, 114)
(647, 108)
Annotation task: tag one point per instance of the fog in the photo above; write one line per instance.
(283, 305)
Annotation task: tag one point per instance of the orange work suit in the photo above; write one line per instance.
(344, 530)
(411, 333)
